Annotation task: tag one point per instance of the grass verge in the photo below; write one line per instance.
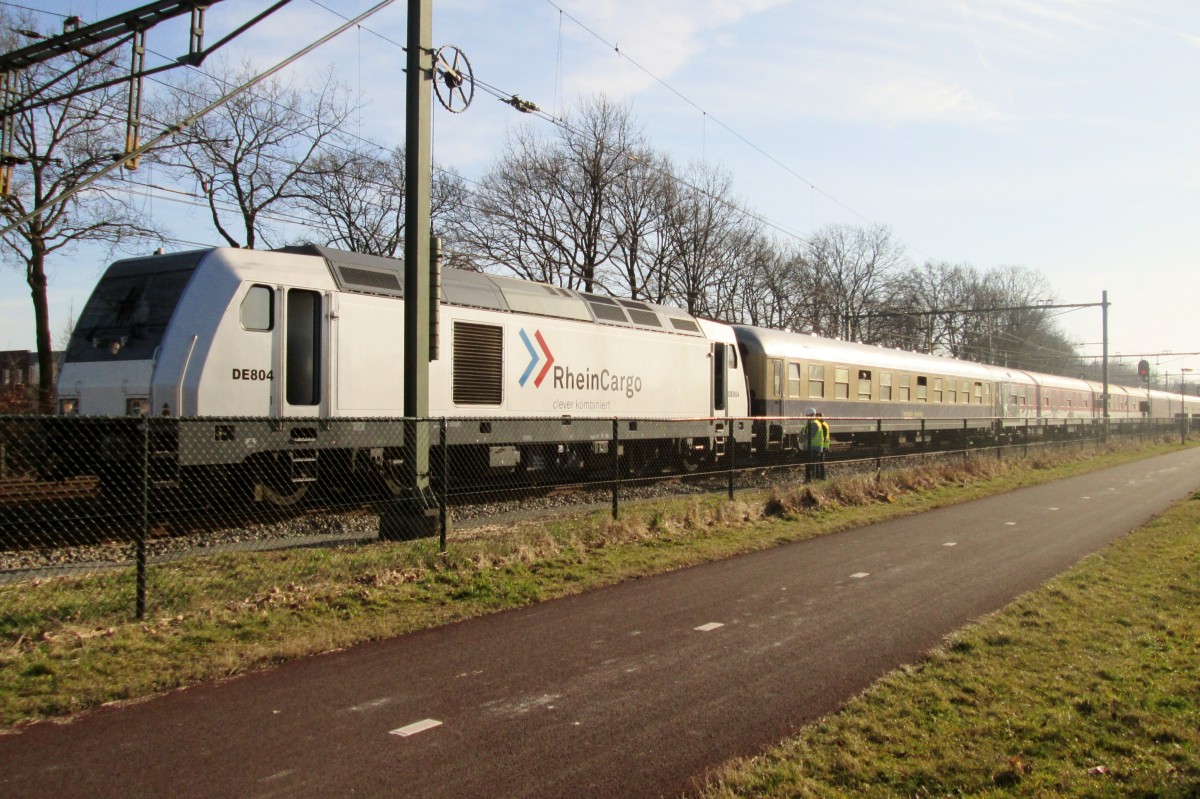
(68, 645)
(1087, 687)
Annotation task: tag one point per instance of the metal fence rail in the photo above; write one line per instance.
(120, 503)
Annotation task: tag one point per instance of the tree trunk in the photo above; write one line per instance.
(36, 278)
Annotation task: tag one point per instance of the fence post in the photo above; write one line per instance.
(1025, 450)
(731, 443)
(614, 446)
(924, 440)
(878, 448)
(443, 516)
(966, 441)
(144, 520)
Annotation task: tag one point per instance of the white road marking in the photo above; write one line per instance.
(1086, 497)
(1052, 509)
(950, 544)
(860, 575)
(526, 704)
(374, 703)
(1010, 524)
(416, 727)
(712, 625)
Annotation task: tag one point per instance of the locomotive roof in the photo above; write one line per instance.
(373, 274)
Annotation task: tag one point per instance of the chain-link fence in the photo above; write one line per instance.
(104, 514)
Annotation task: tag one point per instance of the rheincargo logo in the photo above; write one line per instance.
(571, 379)
(604, 380)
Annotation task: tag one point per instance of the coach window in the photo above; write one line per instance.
(979, 393)
(816, 381)
(841, 382)
(885, 386)
(864, 385)
(937, 389)
(258, 309)
(951, 393)
(794, 380)
(905, 388)
(776, 379)
(964, 392)
(922, 388)
(303, 347)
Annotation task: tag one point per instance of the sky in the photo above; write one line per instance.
(1062, 136)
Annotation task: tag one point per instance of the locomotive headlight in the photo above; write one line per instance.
(68, 406)
(137, 406)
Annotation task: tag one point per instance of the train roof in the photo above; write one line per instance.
(802, 346)
(373, 274)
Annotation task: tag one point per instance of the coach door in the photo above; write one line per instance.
(301, 353)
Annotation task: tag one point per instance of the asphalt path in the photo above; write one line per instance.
(628, 691)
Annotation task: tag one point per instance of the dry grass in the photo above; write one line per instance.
(1088, 687)
(67, 644)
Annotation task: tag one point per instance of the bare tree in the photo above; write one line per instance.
(774, 291)
(640, 262)
(852, 272)
(354, 198)
(546, 211)
(702, 231)
(1016, 337)
(247, 154)
(932, 292)
(55, 149)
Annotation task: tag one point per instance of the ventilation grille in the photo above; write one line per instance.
(371, 280)
(644, 318)
(478, 364)
(607, 312)
(684, 324)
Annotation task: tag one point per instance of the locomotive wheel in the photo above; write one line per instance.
(690, 458)
(280, 493)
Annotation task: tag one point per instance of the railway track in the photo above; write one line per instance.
(70, 526)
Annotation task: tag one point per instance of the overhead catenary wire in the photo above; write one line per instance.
(565, 125)
(141, 150)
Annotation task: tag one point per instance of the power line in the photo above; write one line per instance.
(708, 115)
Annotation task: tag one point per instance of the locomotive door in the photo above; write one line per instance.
(300, 346)
(728, 382)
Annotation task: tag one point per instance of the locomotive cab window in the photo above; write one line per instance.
(258, 309)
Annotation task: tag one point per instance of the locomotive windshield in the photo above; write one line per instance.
(128, 312)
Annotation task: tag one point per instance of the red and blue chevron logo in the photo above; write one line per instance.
(535, 357)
